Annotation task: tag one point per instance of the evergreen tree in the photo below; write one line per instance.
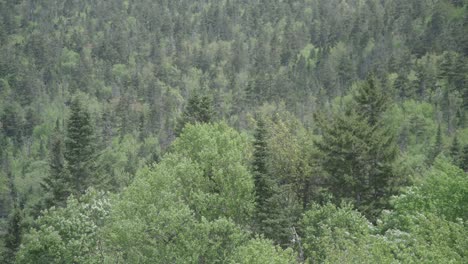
(199, 109)
(12, 123)
(455, 151)
(80, 150)
(464, 159)
(13, 236)
(357, 151)
(465, 32)
(57, 183)
(263, 184)
(274, 215)
(438, 146)
(401, 86)
(371, 101)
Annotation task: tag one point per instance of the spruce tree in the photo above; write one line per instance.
(80, 150)
(199, 109)
(274, 215)
(262, 188)
(13, 237)
(12, 123)
(57, 183)
(437, 147)
(357, 151)
(464, 159)
(455, 151)
(371, 101)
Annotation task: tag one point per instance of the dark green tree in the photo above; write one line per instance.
(12, 122)
(274, 215)
(13, 237)
(358, 150)
(456, 151)
(438, 146)
(371, 101)
(402, 87)
(262, 186)
(58, 182)
(464, 159)
(80, 152)
(199, 109)
(465, 32)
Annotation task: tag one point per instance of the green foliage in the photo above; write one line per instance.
(198, 110)
(443, 193)
(68, 235)
(222, 157)
(438, 145)
(150, 71)
(13, 236)
(328, 229)
(427, 225)
(259, 165)
(12, 122)
(464, 159)
(455, 151)
(357, 150)
(80, 150)
(371, 101)
(266, 189)
(153, 219)
(258, 251)
(57, 184)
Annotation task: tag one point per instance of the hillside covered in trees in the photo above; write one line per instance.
(233, 131)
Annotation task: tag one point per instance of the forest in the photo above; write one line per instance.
(234, 131)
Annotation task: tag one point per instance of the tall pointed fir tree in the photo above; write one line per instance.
(199, 109)
(456, 152)
(57, 183)
(437, 147)
(357, 151)
(80, 150)
(273, 214)
(371, 101)
(13, 236)
(262, 185)
(464, 159)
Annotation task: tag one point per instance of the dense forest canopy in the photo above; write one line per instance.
(233, 131)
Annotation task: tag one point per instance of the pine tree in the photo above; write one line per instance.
(274, 214)
(262, 184)
(437, 147)
(455, 151)
(13, 236)
(464, 159)
(80, 148)
(401, 86)
(199, 109)
(57, 183)
(357, 151)
(465, 33)
(371, 101)
(12, 123)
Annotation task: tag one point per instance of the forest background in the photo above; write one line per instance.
(234, 131)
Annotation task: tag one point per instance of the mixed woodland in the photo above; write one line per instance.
(234, 131)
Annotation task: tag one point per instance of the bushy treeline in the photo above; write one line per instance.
(197, 205)
(233, 131)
